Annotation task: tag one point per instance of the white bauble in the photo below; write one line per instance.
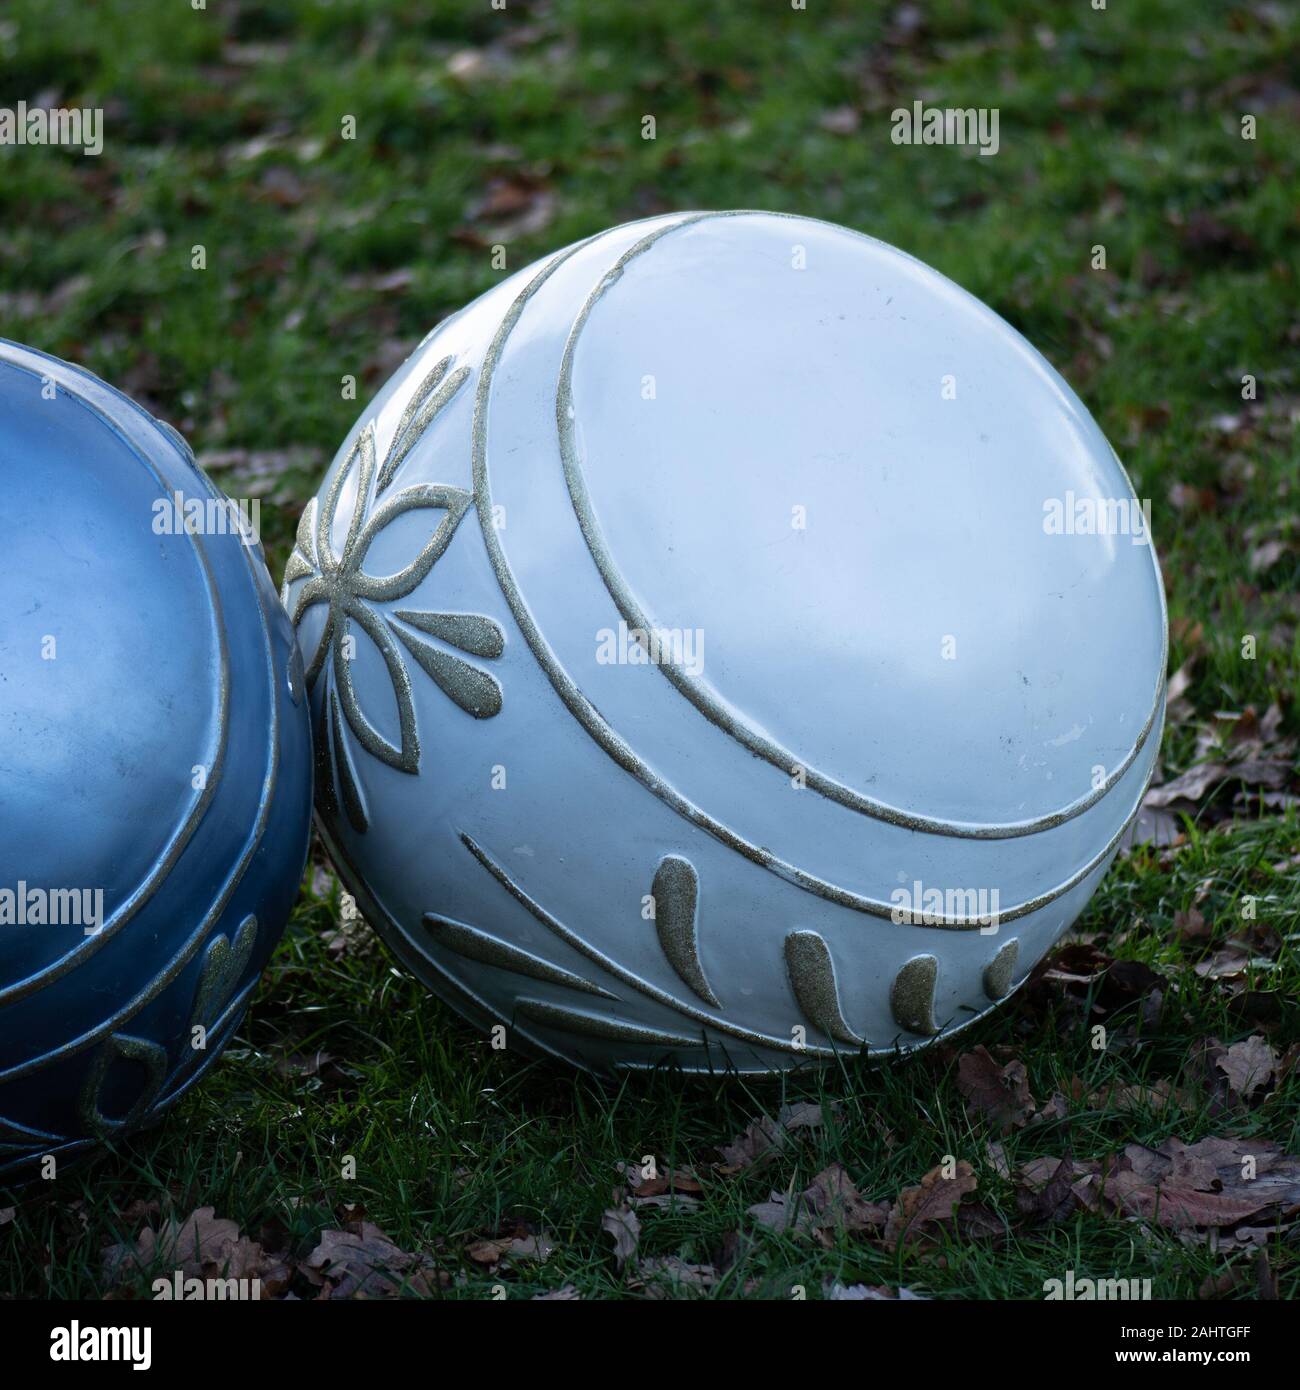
(730, 643)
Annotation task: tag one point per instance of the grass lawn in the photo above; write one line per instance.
(325, 257)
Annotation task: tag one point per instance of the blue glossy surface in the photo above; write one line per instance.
(153, 748)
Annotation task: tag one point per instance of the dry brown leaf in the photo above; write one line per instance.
(829, 1203)
(801, 1115)
(837, 1204)
(664, 1181)
(1056, 1200)
(362, 1262)
(782, 1211)
(1001, 1093)
(762, 1138)
(623, 1224)
(203, 1246)
(1194, 784)
(1192, 926)
(997, 1158)
(927, 1205)
(665, 1276)
(1224, 964)
(487, 1252)
(1177, 1207)
(1249, 1066)
(1202, 1185)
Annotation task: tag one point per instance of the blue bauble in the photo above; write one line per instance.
(155, 764)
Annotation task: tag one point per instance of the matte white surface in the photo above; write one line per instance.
(719, 393)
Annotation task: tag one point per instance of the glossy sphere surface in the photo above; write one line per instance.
(156, 794)
(896, 697)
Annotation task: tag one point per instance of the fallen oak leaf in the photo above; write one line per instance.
(202, 1247)
(829, 1203)
(801, 1115)
(781, 1211)
(1176, 1208)
(1194, 784)
(666, 1201)
(975, 1219)
(1249, 1066)
(487, 1252)
(623, 1224)
(664, 1181)
(362, 1262)
(762, 1139)
(202, 1239)
(999, 1093)
(664, 1276)
(1192, 926)
(1225, 964)
(931, 1203)
(837, 1204)
(765, 1137)
(996, 1155)
(1213, 1183)
(492, 1250)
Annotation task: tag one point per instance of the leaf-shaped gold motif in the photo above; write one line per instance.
(471, 632)
(812, 977)
(1000, 971)
(428, 400)
(478, 945)
(911, 998)
(473, 690)
(455, 501)
(676, 890)
(405, 757)
(340, 581)
(223, 963)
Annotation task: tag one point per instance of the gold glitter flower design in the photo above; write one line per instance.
(353, 596)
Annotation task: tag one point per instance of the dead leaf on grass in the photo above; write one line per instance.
(1249, 1066)
(623, 1224)
(999, 1093)
(931, 1203)
(362, 1262)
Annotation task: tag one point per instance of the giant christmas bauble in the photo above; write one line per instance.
(155, 764)
(729, 644)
